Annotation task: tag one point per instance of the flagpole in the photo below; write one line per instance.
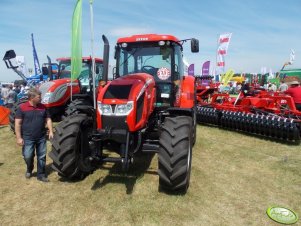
(92, 51)
(216, 56)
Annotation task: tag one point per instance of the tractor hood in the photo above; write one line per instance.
(57, 92)
(126, 88)
(126, 102)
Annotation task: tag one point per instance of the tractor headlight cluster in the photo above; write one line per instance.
(105, 109)
(47, 98)
(124, 109)
(120, 109)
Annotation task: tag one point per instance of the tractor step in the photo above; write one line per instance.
(112, 159)
(151, 147)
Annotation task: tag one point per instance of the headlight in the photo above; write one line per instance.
(105, 109)
(46, 98)
(120, 109)
(124, 109)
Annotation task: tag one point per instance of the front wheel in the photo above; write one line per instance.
(175, 153)
(70, 147)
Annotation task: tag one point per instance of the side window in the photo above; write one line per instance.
(98, 73)
(179, 69)
(127, 63)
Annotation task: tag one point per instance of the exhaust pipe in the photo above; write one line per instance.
(106, 54)
(50, 76)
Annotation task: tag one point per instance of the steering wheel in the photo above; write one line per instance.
(148, 69)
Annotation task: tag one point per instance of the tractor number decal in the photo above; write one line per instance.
(163, 73)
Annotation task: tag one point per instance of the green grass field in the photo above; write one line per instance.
(235, 178)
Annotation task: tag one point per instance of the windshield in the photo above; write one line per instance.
(65, 72)
(158, 61)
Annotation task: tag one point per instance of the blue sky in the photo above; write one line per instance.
(264, 32)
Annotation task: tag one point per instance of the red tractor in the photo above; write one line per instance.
(57, 94)
(149, 107)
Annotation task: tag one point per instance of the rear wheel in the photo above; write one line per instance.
(70, 147)
(175, 152)
(12, 114)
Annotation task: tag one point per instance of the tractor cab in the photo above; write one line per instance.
(84, 78)
(157, 55)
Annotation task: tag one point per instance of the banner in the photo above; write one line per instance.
(223, 44)
(227, 77)
(37, 69)
(76, 44)
(20, 61)
(205, 68)
(191, 69)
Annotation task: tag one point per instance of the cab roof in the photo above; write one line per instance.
(148, 38)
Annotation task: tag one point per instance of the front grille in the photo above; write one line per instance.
(114, 122)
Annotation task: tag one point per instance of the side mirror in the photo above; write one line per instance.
(194, 45)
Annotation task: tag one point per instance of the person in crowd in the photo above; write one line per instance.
(17, 90)
(11, 97)
(274, 87)
(238, 87)
(245, 88)
(283, 86)
(22, 88)
(295, 92)
(30, 121)
(4, 94)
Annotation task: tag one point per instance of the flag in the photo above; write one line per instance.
(205, 68)
(223, 44)
(292, 57)
(191, 69)
(35, 58)
(227, 77)
(76, 44)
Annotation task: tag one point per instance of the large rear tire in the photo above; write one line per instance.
(175, 152)
(70, 147)
(12, 114)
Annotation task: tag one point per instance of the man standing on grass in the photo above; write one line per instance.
(30, 121)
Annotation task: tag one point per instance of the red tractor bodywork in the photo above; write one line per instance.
(139, 84)
(148, 107)
(56, 94)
